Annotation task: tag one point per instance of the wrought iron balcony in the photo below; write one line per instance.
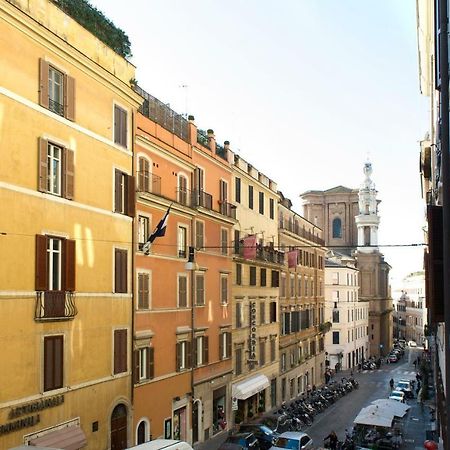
(56, 107)
(55, 305)
(148, 182)
(227, 209)
(201, 198)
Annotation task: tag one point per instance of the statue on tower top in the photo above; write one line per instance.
(368, 183)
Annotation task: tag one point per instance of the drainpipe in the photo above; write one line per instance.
(443, 63)
(133, 224)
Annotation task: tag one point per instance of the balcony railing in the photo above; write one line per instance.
(300, 232)
(148, 182)
(202, 198)
(227, 209)
(55, 305)
(56, 107)
(163, 115)
(263, 253)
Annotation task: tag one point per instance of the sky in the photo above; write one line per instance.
(305, 91)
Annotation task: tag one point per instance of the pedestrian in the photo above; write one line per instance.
(333, 440)
(351, 372)
(359, 368)
(391, 383)
(415, 363)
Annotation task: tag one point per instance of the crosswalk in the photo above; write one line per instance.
(406, 373)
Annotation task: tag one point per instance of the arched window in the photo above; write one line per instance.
(142, 432)
(337, 228)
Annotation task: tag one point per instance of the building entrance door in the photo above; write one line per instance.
(119, 428)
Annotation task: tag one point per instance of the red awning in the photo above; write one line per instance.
(69, 438)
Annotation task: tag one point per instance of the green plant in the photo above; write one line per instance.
(95, 21)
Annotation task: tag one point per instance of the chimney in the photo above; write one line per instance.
(211, 141)
(192, 130)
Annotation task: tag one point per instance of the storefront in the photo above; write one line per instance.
(219, 409)
(251, 396)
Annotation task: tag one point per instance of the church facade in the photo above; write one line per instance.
(350, 220)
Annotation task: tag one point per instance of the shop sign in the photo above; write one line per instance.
(252, 340)
(29, 408)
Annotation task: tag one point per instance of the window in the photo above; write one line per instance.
(182, 242)
(238, 355)
(201, 351)
(252, 276)
(120, 351)
(53, 362)
(299, 286)
(292, 285)
(262, 353)
(124, 195)
(336, 316)
(283, 362)
(337, 228)
(273, 312)
(335, 337)
(275, 278)
(142, 432)
(273, 348)
(262, 312)
(238, 274)
(263, 276)
(335, 278)
(261, 202)
(182, 190)
(286, 323)
(143, 291)
(182, 291)
(271, 208)
(225, 345)
(335, 296)
(224, 289)
(199, 235)
(224, 241)
(144, 364)
(120, 271)
(183, 355)
(56, 90)
(239, 318)
(56, 169)
(250, 197)
(120, 126)
(283, 285)
(144, 175)
(143, 231)
(238, 190)
(55, 271)
(200, 289)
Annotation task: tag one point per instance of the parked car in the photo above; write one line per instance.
(412, 343)
(265, 435)
(293, 440)
(247, 440)
(392, 358)
(397, 395)
(405, 386)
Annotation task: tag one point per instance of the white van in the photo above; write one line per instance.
(163, 444)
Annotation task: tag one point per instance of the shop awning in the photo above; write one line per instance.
(250, 386)
(392, 406)
(372, 415)
(69, 438)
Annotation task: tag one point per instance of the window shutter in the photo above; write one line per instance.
(123, 128)
(69, 247)
(228, 337)
(120, 271)
(42, 168)
(136, 364)
(69, 97)
(145, 293)
(48, 363)
(43, 83)
(116, 351)
(188, 354)
(182, 291)
(150, 363)
(41, 278)
(120, 351)
(205, 350)
(178, 357)
(130, 193)
(58, 361)
(116, 124)
(69, 173)
(221, 338)
(194, 353)
(140, 290)
(199, 234)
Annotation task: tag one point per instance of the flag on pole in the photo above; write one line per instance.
(292, 258)
(250, 247)
(159, 231)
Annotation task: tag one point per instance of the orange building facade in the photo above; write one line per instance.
(182, 320)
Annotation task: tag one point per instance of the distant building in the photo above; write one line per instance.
(347, 342)
(399, 316)
(415, 308)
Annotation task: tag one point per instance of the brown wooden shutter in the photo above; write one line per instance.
(194, 353)
(118, 191)
(228, 345)
(69, 97)
(221, 337)
(116, 124)
(140, 290)
(59, 361)
(120, 271)
(189, 354)
(116, 351)
(145, 290)
(141, 176)
(69, 254)
(43, 83)
(151, 363)
(41, 278)
(48, 363)
(182, 291)
(53, 362)
(178, 357)
(42, 167)
(120, 351)
(130, 195)
(205, 350)
(136, 366)
(69, 173)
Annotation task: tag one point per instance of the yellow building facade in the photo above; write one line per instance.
(66, 195)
